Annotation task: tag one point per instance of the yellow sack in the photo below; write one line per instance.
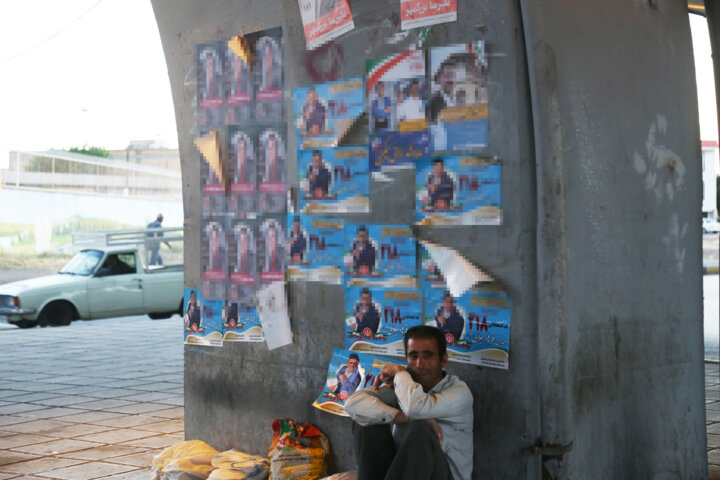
(226, 474)
(191, 459)
(298, 452)
(246, 467)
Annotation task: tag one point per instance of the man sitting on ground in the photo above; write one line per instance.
(431, 413)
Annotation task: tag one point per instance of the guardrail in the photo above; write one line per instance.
(142, 238)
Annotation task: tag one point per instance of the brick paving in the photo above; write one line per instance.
(93, 400)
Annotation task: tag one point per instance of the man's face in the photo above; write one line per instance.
(193, 297)
(447, 80)
(437, 169)
(242, 152)
(316, 160)
(352, 366)
(414, 90)
(271, 149)
(381, 90)
(272, 239)
(362, 237)
(448, 304)
(424, 362)
(366, 299)
(243, 241)
(296, 227)
(311, 96)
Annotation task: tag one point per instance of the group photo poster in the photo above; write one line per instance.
(241, 323)
(334, 180)
(458, 190)
(271, 159)
(379, 255)
(242, 253)
(458, 108)
(209, 82)
(476, 325)
(376, 319)
(324, 20)
(201, 319)
(325, 112)
(397, 100)
(420, 13)
(272, 251)
(215, 258)
(239, 87)
(242, 171)
(268, 75)
(347, 373)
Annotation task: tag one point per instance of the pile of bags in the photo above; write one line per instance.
(297, 452)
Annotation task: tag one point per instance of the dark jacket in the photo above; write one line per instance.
(453, 324)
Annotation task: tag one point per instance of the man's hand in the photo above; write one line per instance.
(438, 429)
(342, 377)
(389, 371)
(400, 417)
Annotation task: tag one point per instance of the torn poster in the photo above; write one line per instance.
(273, 312)
(241, 164)
(215, 262)
(458, 108)
(419, 13)
(243, 266)
(397, 98)
(325, 112)
(348, 372)
(446, 265)
(376, 319)
(458, 190)
(379, 255)
(240, 323)
(213, 174)
(209, 84)
(334, 180)
(316, 248)
(202, 319)
(239, 93)
(324, 20)
(268, 75)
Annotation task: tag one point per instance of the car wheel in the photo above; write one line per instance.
(27, 323)
(160, 316)
(57, 314)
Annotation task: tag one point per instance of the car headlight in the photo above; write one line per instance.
(9, 301)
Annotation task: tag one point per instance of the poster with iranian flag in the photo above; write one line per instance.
(324, 20)
(419, 13)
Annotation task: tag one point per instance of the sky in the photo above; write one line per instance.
(102, 81)
(707, 107)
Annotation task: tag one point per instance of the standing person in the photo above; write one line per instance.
(448, 318)
(440, 186)
(318, 176)
(381, 108)
(298, 244)
(154, 245)
(366, 315)
(313, 114)
(420, 425)
(363, 252)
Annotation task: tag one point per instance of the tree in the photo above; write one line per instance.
(91, 150)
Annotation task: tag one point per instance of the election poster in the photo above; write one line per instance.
(376, 319)
(420, 13)
(334, 180)
(326, 241)
(242, 253)
(397, 97)
(239, 88)
(476, 325)
(209, 82)
(298, 261)
(268, 75)
(325, 112)
(379, 255)
(324, 20)
(242, 171)
(458, 107)
(215, 261)
(213, 188)
(458, 190)
(348, 372)
(241, 323)
(271, 249)
(201, 319)
(271, 162)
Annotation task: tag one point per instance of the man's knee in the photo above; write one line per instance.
(419, 431)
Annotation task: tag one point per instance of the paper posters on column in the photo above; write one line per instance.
(298, 262)
(239, 91)
(209, 82)
(334, 180)
(326, 241)
(325, 112)
(202, 319)
(273, 313)
(271, 168)
(212, 175)
(268, 75)
(376, 319)
(215, 261)
(379, 255)
(419, 13)
(397, 98)
(324, 20)
(242, 171)
(242, 248)
(458, 108)
(241, 323)
(348, 372)
(271, 249)
(458, 190)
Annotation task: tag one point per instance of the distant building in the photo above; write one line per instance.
(710, 170)
(149, 153)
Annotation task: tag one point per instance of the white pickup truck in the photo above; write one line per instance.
(96, 283)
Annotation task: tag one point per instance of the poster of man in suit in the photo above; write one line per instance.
(271, 170)
(272, 250)
(215, 264)
(243, 173)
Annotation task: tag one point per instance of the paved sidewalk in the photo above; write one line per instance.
(93, 400)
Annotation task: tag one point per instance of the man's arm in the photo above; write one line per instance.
(366, 408)
(454, 401)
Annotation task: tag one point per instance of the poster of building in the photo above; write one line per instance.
(348, 372)
(419, 13)
(242, 253)
(458, 190)
(272, 251)
(239, 91)
(397, 98)
(241, 323)
(458, 107)
(324, 20)
(209, 82)
(268, 75)
(242, 172)
(376, 319)
(325, 112)
(379, 255)
(201, 319)
(215, 259)
(271, 158)
(334, 180)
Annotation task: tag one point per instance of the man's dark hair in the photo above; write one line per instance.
(438, 160)
(454, 60)
(296, 220)
(354, 356)
(446, 295)
(364, 291)
(426, 331)
(415, 82)
(362, 228)
(317, 152)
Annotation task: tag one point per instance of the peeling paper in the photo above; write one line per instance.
(273, 311)
(210, 149)
(460, 274)
(241, 48)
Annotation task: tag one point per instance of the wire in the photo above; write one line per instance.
(53, 35)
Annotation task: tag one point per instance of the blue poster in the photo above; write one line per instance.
(202, 319)
(458, 106)
(379, 255)
(376, 319)
(334, 180)
(394, 150)
(347, 373)
(315, 249)
(458, 190)
(325, 112)
(240, 323)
